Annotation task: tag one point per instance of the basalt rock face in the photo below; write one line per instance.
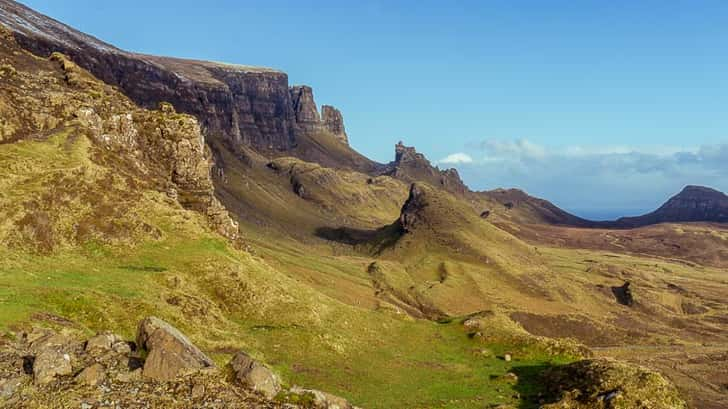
(692, 204)
(334, 122)
(411, 166)
(304, 106)
(242, 105)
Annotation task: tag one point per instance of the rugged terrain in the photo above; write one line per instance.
(219, 199)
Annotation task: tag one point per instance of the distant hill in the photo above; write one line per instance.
(692, 204)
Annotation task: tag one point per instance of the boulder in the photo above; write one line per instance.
(92, 375)
(170, 353)
(323, 400)
(49, 363)
(50, 340)
(255, 375)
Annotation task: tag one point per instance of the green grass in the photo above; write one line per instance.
(373, 358)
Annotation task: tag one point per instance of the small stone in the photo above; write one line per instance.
(510, 377)
(122, 348)
(100, 342)
(198, 391)
(9, 386)
(507, 357)
(131, 376)
(323, 400)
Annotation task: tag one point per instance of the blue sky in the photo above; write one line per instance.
(594, 105)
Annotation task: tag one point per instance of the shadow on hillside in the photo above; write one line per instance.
(374, 241)
(531, 385)
(347, 235)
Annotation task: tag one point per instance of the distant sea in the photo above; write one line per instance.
(606, 214)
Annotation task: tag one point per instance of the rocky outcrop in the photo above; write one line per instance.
(412, 210)
(604, 383)
(76, 377)
(170, 353)
(334, 122)
(164, 149)
(411, 166)
(623, 294)
(242, 105)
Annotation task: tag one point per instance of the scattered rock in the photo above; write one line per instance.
(485, 214)
(170, 353)
(507, 357)
(254, 375)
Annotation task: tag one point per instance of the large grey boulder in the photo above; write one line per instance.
(170, 353)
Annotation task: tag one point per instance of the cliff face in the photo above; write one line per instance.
(242, 105)
(334, 122)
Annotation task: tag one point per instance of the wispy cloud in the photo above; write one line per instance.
(456, 158)
(594, 176)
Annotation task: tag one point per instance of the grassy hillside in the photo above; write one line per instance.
(227, 299)
(108, 215)
(96, 235)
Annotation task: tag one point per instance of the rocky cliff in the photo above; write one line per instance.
(411, 166)
(54, 99)
(242, 105)
(334, 122)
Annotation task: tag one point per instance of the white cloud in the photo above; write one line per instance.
(456, 158)
(596, 176)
